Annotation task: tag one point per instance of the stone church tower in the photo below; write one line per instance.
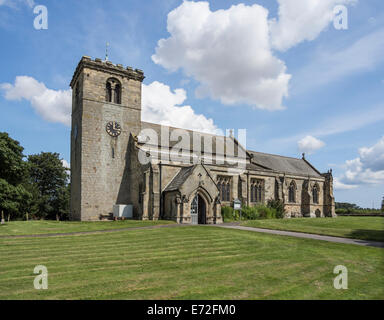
(106, 112)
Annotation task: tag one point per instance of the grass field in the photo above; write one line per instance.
(49, 227)
(365, 228)
(200, 262)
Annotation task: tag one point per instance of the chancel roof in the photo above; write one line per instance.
(256, 161)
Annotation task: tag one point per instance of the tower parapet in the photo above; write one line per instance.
(106, 66)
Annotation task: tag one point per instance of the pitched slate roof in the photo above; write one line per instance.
(258, 162)
(179, 179)
(212, 139)
(284, 164)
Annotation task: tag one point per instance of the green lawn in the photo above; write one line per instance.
(365, 228)
(199, 262)
(49, 227)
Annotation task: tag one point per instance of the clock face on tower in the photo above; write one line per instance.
(113, 129)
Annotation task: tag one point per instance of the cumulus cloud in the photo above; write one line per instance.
(230, 52)
(51, 105)
(373, 157)
(300, 20)
(368, 168)
(161, 105)
(338, 185)
(65, 164)
(309, 144)
(227, 51)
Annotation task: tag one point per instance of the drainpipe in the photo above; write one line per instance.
(160, 194)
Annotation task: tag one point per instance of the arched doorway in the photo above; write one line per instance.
(198, 210)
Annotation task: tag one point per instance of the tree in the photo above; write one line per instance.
(12, 167)
(50, 179)
(13, 173)
(346, 205)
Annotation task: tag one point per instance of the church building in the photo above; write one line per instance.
(170, 173)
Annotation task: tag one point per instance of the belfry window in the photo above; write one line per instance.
(117, 94)
(113, 91)
(224, 186)
(292, 192)
(108, 96)
(315, 194)
(257, 190)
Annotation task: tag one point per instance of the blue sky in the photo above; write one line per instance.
(325, 96)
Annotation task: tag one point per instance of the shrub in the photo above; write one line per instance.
(250, 213)
(278, 206)
(227, 213)
(265, 212)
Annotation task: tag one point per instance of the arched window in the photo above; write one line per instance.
(257, 190)
(228, 193)
(113, 91)
(224, 186)
(117, 94)
(224, 191)
(292, 192)
(315, 194)
(259, 193)
(108, 95)
(253, 192)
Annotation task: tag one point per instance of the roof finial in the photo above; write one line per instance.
(106, 51)
(303, 155)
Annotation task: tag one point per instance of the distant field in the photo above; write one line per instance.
(200, 262)
(365, 228)
(49, 227)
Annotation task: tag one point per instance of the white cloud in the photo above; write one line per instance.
(301, 20)
(337, 185)
(161, 105)
(227, 51)
(368, 168)
(65, 163)
(230, 52)
(373, 157)
(51, 105)
(310, 144)
(335, 124)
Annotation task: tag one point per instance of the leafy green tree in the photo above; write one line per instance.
(13, 169)
(278, 205)
(13, 175)
(50, 178)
